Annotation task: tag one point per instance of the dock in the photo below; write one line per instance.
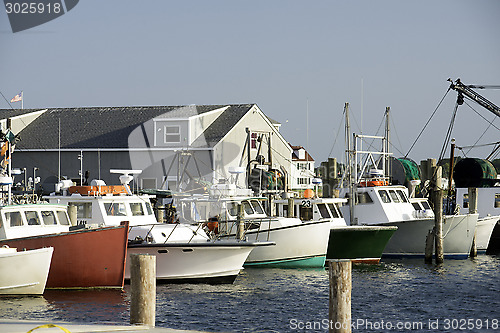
(23, 326)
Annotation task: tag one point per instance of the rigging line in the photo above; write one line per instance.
(7, 101)
(490, 123)
(337, 136)
(427, 123)
(484, 118)
(483, 145)
(449, 132)
(397, 136)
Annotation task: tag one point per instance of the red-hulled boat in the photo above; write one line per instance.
(84, 258)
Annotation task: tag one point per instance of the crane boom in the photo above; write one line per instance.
(465, 90)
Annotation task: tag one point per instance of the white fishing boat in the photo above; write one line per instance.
(488, 208)
(24, 272)
(298, 243)
(183, 253)
(361, 244)
(373, 201)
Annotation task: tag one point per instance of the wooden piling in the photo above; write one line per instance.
(240, 223)
(473, 210)
(143, 289)
(429, 246)
(291, 208)
(339, 272)
(438, 216)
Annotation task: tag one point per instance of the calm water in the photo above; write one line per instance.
(463, 294)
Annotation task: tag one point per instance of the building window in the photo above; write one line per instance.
(303, 181)
(172, 134)
(303, 166)
(497, 200)
(149, 183)
(465, 202)
(253, 140)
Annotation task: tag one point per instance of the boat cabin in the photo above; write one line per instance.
(386, 204)
(313, 209)
(28, 220)
(108, 209)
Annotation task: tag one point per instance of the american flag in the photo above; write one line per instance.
(17, 98)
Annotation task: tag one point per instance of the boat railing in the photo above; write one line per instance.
(227, 228)
(151, 226)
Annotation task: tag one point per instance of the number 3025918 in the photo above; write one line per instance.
(32, 8)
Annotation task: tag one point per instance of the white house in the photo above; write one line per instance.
(302, 173)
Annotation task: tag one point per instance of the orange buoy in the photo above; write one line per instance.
(308, 194)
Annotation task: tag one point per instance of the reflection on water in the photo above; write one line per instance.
(270, 300)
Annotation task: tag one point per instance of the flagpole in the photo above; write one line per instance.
(22, 100)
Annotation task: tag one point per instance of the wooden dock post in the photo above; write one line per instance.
(473, 210)
(339, 272)
(240, 223)
(291, 208)
(438, 216)
(429, 246)
(143, 289)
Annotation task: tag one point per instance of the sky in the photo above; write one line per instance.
(299, 61)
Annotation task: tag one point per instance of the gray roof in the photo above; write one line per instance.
(110, 127)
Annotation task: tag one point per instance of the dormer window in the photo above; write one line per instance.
(172, 134)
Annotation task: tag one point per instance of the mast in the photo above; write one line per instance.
(387, 166)
(349, 162)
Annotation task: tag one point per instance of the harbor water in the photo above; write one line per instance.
(395, 296)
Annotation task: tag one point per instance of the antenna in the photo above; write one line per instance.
(126, 177)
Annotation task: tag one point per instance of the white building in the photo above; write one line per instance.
(302, 173)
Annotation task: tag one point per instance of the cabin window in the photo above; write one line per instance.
(465, 202)
(257, 207)
(323, 211)
(149, 209)
(416, 205)
(336, 213)
(32, 218)
(425, 204)
(394, 196)
(63, 218)
(497, 200)
(364, 198)
(172, 134)
(13, 219)
(115, 209)
(232, 208)
(83, 209)
(402, 195)
(49, 218)
(136, 209)
(384, 196)
(248, 208)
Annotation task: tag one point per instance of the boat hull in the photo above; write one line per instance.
(24, 272)
(361, 244)
(410, 238)
(86, 258)
(208, 262)
(484, 231)
(299, 245)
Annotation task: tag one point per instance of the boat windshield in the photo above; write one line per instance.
(402, 195)
(49, 218)
(32, 218)
(115, 209)
(137, 209)
(83, 209)
(257, 207)
(336, 213)
(248, 208)
(13, 219)
(63, 218)
(384, 196)
(323, 211)
(149, 209)
(394, 196)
